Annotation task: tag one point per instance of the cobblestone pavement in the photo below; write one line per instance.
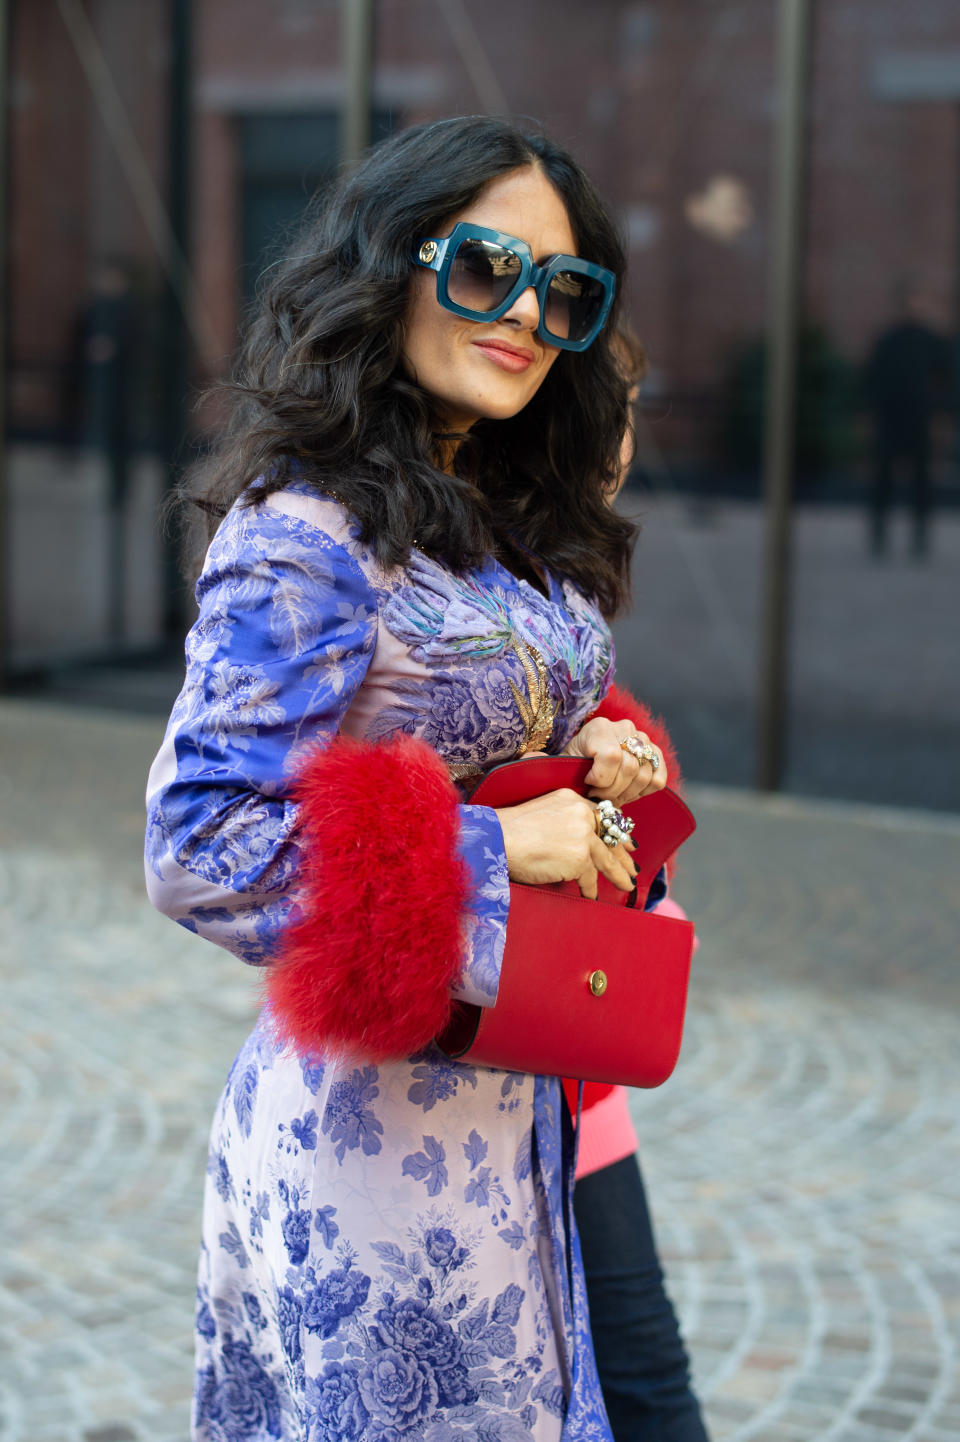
(803, 1163)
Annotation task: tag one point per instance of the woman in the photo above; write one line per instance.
(409, 585)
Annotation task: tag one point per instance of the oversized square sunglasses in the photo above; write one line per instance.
(481, 273)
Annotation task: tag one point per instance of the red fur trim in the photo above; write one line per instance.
(370, 964)
(619, 705)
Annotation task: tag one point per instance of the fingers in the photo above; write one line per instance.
(628, 783)
(554, 838)
(651, 771)
(619, 774)
(615, 862)
(607, 765)
(635, 775)
(587, 883)
(618, 870)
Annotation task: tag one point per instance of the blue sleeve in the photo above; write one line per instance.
(285, 634)
(658, 890)
(481, 843)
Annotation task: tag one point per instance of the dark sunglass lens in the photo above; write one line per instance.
(482, 275)
(574, 301)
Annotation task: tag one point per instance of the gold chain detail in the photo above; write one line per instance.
(463, 770)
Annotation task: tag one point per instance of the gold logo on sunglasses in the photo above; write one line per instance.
(427, 251)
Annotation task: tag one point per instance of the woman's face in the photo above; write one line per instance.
(475, 369)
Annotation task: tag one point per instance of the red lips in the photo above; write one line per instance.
(509, 357)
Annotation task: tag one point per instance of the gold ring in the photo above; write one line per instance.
(612, 826)
(641, 751)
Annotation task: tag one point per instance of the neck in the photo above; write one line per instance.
(446, 444)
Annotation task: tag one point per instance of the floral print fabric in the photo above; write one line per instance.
(387, 1251)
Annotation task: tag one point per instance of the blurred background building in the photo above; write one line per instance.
(161, 151)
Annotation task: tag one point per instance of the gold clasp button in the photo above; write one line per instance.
(598, 982)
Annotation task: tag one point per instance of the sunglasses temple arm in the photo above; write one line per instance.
(436, 260)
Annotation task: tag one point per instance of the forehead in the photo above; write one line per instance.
(523, 203)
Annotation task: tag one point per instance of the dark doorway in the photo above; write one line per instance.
(284, 159)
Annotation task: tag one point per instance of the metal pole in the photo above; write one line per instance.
(956, 243)
(176, 348)
(786, 279)
(5, 568)
(356, 38)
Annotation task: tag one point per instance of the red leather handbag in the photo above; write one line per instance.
(588, 989)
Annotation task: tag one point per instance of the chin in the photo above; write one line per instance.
(503, 406)
(502, 411)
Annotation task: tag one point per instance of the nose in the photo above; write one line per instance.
(525, 311)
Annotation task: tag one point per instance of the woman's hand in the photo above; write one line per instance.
(554, 838)
(617, 775)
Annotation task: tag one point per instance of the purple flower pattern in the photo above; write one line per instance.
(353, 1281)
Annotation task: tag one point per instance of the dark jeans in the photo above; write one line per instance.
(640, 1355)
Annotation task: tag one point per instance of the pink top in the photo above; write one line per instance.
(606, 1133)
(606, 1130)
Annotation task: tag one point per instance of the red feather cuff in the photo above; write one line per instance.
(369, 965)
(619, 705)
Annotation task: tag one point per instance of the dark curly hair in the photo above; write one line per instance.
(321, 392)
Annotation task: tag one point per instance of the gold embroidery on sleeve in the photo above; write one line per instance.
(538, 712)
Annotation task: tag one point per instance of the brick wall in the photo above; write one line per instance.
(656, 98)
(69, 201)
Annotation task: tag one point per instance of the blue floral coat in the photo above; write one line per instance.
(388, 1254)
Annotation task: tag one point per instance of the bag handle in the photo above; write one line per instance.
(662, 821)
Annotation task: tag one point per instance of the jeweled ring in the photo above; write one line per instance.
(641, 750)
(612, 826)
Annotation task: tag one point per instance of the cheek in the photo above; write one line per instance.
(551, 356)
(421, 324)
(543, 370)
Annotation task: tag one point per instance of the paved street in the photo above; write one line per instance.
(874, 671)
(803, 1163)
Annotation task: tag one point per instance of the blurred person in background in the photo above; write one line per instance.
(907, 379)
(99, 402)
(410, 583)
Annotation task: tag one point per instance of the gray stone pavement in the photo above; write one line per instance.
(803, 1162)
